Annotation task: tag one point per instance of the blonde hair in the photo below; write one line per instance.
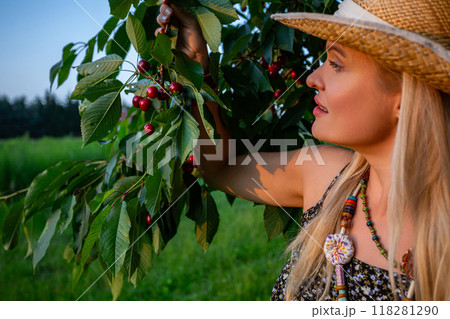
(420, 186)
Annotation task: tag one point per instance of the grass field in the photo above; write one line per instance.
(240, 264)
(21, 159)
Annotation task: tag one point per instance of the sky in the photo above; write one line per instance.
(32, 36)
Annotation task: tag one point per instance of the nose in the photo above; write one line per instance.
(313, 80)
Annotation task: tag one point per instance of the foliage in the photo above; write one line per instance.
(106, 203)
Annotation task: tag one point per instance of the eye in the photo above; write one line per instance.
(334, 65)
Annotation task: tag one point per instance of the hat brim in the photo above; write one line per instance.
(396, 48)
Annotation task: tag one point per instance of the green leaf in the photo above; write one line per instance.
(10, 229)
(223, 9)
(54, 70)
(105, 33)
(209, 128)
(136, 33)
(107, 86)
(94, 232)
(66, 213)
(185, 139)
(153, 190)
(45, 238)
(90, 50)
(275, 220)
(96, 203)
(206, 228)
(114, 237)
(208, 90)
(161, 51)
(109, 169)
(259, 80)
(42, 190)
(145, 262)
(120, 8)
(100, 117)
(211, 27)
(190, 69)
(120, 44)
(91, 79)
(108, 63)
(65, 68)
(284, 37)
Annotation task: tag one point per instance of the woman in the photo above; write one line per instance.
(383, 93)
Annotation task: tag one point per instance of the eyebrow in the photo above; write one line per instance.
(337, 49)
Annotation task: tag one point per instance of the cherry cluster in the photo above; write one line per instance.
(274, 70)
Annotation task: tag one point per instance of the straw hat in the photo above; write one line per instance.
(405, 35)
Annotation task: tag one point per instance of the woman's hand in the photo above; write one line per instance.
(190, 38)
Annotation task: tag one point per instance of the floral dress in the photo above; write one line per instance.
(364, 282)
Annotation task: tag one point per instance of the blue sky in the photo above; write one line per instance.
(32, 36)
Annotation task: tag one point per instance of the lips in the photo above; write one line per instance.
(320, 104)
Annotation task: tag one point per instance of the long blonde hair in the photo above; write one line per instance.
(420, 186)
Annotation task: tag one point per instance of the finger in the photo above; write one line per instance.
(163, 20)
(160, 30)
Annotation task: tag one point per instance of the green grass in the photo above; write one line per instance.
(21, 159)
(240, 264)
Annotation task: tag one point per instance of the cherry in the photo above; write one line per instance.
(273, 74)
(191, 159)
(263, 63)
(152, 92)
(299, 82)
(145, 104)
(187, 167)
(294, 75)
(244, 8)
(162, 95)
(149, 219)
(144, 66)
(282, 60)
(277, 94)
(176, 87)
(149, 129)
(136, 100)
(272, 108)
(275, 67)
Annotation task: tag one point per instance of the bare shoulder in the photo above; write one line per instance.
(318, 174)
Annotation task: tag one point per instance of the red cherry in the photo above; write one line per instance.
(144, 66)
(176, 87)
(149, 129)
(187, 167)
(294, 75)
(272, 108)
(191, 159)
(145, 104)
(299, 82)
(282, 59)
(136, 100)
(277, 94)
(166, 2)
(244, 8)
(263, 63)
(162, 95)
(275, 67)
(273, 74)
(149, 219)
(152, 92)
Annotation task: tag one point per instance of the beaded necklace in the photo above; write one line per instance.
(339, 248)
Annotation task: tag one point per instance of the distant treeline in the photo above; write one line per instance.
(40, 117)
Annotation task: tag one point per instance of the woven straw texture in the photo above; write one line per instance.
(405, 47)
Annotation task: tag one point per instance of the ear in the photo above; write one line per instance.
(397, 103)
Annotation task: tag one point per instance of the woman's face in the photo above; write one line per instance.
(359, 112)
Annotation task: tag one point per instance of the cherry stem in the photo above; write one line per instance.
(14, 194)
